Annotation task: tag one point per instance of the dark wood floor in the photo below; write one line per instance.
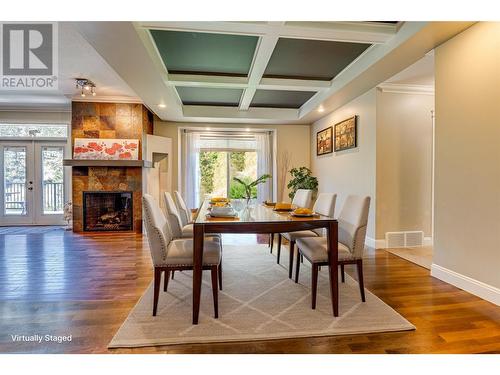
(59, 283)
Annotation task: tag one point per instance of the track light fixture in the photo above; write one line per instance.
(86, 86)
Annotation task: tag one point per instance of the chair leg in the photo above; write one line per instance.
(314, 285)
(297, 267)
(279, 249)
(165, 282)
(290, 262)
(173, 274)
(219, 269)
(271, 240)
(359, 264)
(215, 291)
(157, 281)
(342, 273)
(301, 258)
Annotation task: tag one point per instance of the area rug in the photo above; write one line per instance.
(258, 302)
(421, 256)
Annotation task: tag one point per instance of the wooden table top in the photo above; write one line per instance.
(258, 213)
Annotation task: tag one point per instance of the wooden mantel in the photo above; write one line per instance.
(107, 163)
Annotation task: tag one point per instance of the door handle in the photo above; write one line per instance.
(30, 188)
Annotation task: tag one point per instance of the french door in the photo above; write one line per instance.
(31, 183)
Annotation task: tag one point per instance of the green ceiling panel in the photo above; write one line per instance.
(280, 99)
(205, 53)
(209, 96)
(311, 59)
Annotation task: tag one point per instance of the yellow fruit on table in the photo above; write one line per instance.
(303, 211)
(218, 199)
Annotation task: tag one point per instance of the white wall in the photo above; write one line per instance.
(350, 171)
(467, 161)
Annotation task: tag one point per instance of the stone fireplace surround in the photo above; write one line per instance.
(109, 120)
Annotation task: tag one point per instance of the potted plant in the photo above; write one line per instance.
(302, 178)
(249, 186)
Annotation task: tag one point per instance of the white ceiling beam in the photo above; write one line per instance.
(263, 54)
(356, 32)
(293, 84)
(219, 112)
(200, 80)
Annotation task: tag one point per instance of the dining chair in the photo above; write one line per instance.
(352, 224)
(324, 205)
(179, 230)
(184, 231)
(302, 198)
(170, 254)
(184, 212)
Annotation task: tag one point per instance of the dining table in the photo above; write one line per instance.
(260, 218)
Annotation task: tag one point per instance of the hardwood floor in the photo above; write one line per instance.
(58, 283)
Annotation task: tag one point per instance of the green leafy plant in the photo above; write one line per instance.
(302, 178)
(250, 186)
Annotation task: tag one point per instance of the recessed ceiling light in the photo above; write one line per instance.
(162, 105)
(247, 129)
(321, 109)
(207, 128)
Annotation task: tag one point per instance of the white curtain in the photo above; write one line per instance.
(192, 170)
(264, 165)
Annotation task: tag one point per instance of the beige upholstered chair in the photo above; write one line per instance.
(174, 219)
(302, 198)
(353, 220)
(324, 205)
(184, 212)
(170, 255)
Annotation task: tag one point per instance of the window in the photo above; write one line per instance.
(34, 130)
(217, 169)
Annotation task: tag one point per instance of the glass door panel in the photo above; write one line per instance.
(15, 186)
(16, 183)
(52, 180)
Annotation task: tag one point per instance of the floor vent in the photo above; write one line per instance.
(404, 239)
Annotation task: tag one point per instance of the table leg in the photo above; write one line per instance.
(333, 259)
(198, 237)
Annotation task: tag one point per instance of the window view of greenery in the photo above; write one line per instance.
(218, 169)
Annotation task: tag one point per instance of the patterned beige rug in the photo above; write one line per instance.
(421, 256)
(258, 302)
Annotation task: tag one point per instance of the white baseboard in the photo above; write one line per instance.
(478, 288)
(382, 244)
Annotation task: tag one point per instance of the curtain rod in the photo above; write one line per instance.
(212, 131)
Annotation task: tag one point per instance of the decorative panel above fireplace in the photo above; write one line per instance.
(107, 211)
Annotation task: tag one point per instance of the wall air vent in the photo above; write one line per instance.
(404, 239)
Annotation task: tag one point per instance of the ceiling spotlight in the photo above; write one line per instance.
(162, 105)
(85, 84)
(321, 109)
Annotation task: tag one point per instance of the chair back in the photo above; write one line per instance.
(173, 217)
(302, 198)
(182, 208)
(324, 205)
(353, 221)
(157, 229)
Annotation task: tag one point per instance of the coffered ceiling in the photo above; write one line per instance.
(271, 72)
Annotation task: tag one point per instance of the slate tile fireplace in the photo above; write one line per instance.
(107, 211)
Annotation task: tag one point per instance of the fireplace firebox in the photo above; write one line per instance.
(107, 211)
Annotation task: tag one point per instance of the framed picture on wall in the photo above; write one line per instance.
(324, 144)
(346, 134)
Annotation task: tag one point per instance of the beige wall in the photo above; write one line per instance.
(467, 175)
(350, 171)
(404, 163)
(35, 117)
(292, 138)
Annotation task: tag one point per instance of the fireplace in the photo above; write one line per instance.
(107, 211)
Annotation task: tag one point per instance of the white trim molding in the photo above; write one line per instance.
(478, 288)
(400, 88)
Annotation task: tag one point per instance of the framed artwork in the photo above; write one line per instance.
(345, 134)
(106, 149)
(324, 141)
